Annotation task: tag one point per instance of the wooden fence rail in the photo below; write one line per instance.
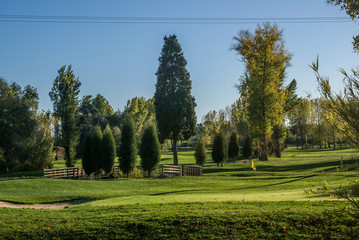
(70, 172)
(185, 170)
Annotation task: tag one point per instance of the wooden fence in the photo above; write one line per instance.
(70, 172)
(172, 169)
(185, 170)
(191, 170)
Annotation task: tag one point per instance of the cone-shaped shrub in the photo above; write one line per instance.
(150, 150)
(96, 149)
(108, 150)
(247, 148)
(200, 152)
(128, 147)
(218, 149)
(233, 147)
(87, 159)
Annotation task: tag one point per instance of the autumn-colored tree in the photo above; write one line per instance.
(266, 60)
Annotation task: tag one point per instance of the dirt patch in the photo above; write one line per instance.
(55, 205)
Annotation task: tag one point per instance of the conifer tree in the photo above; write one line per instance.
(247, 148)
(96, 150)
(218, 149)
(150, 150)
(233, 147)
(128, 147)
(174, 104)
(200, 152)
(108, 150)
(87, 159)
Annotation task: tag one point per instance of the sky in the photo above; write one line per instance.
(119, 60)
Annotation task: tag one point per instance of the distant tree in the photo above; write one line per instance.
(150, 149)
(266, 60)
(102, 106)
(233, 147)
(128, 147)
(200, 152)
(64, 94)
(351, 7)
(142, 112)
(88, 161)
(174, 104)
(247, 148)
(116, 131)
(218, 149)
(108, 150)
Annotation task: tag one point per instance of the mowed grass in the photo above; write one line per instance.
(230, 202)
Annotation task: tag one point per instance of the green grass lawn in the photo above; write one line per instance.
(255, 204)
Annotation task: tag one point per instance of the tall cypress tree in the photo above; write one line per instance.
(128, 147)
(174, 104)
(64, 94)
(233, 147)
(96, 150)
(108, 150)
(218, 149)
(200, 152)
(150, 150)
(87, 159)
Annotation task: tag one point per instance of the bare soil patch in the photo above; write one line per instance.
(55, 205)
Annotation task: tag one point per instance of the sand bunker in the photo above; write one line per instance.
(56, 205)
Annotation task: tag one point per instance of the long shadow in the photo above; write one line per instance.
(276, 184)
(165, 193)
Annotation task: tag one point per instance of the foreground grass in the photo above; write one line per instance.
(217, 220)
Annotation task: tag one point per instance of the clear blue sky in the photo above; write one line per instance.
(119, 61)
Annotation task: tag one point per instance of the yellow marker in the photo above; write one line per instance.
(252, 165)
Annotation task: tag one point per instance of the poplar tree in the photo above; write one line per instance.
(150, 150)
(64, 94)
(174, 104)
(128, 147)
(266, 60)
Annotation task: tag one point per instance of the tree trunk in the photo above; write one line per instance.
(278, 152)
(174, 150)
(149, 173)
(263, 153)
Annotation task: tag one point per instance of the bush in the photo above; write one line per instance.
(150, 150)
(128, 147)
(233, 147)
(108, 150)
(218, 149)
(200, 152)
(247, 148)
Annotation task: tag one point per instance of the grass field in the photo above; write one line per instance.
(231, 202)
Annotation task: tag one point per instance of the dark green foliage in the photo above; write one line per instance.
(25, 137)
(278, 137)
(87, 159)
(218, 149)
(128, 147)
(233, 147)
(96, 150)
(200, 152)
(108, 149)
(150, 149)
(174, 104)
(247, 148)
(64, 94)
